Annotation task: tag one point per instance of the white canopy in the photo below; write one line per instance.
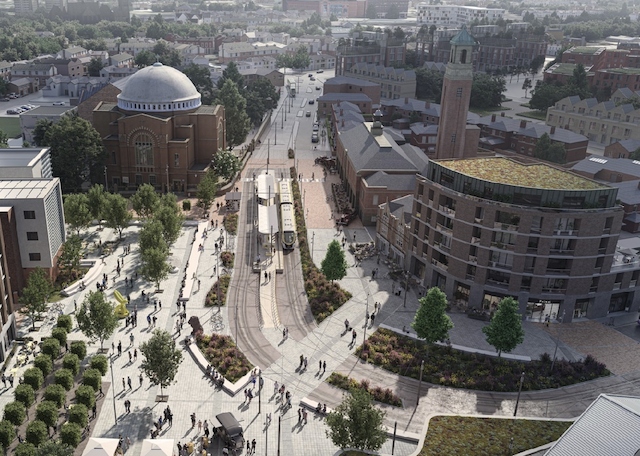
(157, 447)
(101, 447)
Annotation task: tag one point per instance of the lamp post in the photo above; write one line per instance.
(515, 412)
(167, 170)
(106, 186)
(313, 238)
(113, 393)
(268, 152)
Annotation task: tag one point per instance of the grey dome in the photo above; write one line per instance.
(159, 88)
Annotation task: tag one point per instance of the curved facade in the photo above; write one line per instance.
(549, 242)
(159, 88)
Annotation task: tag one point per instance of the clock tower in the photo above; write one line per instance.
(456, 92)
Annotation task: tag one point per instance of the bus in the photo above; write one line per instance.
(287, 216)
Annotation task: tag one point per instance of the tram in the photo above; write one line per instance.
(287, 216)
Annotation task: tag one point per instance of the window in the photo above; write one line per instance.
(176, 159)
(453, 138)
(32, 235)
(29, 215)
(34, 257)
(144, 150)
(459, 92)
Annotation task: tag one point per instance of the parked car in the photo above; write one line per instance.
(25, 107)
(59, 103)
(315, 127)
(312, 78)
(317, 88)
(320, 71)
(314, 137)
(4, 99)
(311, 101)
(12, 111)
(310, 75)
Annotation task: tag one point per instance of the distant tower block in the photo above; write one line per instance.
(455, 139)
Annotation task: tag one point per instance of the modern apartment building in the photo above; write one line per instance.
(486, 228)
(455, 15)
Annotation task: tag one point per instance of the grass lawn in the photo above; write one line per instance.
(455, 435)
(534, 115)
(11, 126)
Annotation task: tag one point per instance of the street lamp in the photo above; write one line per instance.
(167, 170)
(113, 392)
(106, 185)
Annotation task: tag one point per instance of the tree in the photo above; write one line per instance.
(356, 423)
(55, 393)
(33, 376)
(35, 294)
(145, 201)
(97, 199)
(15, 412)
(334, 265)
(70, 434)
(76, 211)
(77, 153)
(36, 433)
(266, 92)
(7, 433)
(24, 393)
(170, 217)
(117, 215)
(207, 190)
(231, 73)
(536, 64)
(96, 318)
(47, 412)
(225, 164)
(25, 448)
(40, 131)
(166, 54)
(431, 322)
(549, 150)
(526, 85)
(161, 359)
(4, 139)
(504, 332)
(94, 67)
(429, 84)
(546, 94)
(52, 448)
(151, 237)
(301, 58)
(145, 58)
(486, 91)
(201, 78)
(235, 111)
(155, 267)
(71, 254)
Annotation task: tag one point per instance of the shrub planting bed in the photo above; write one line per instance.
(231, 223)
(325, 297)
(385, 396)
(455, 435)
(227, 259)
(219, 289)
(448, 367)
(223, 354)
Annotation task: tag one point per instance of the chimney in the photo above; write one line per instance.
(523, 124)
(553, 130)
(427, 104)
(493, 117)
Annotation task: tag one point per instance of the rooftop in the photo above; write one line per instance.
(586, 50)
(622, 70)
(11, 158)
(48, 111)
(13, 189)
(509, 172)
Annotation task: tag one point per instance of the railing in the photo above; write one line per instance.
(470, 277)
(442, 247)
(602, 251)
(561, 251)
(632, 283)
(443, 228)
(558, 271)
(446, 210)
(564, 232)
(438, 264)
(505, 226)
(500, 245)
(617, 285)
(473, 259)
(475, 240)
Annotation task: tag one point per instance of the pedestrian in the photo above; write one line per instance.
(4, 380)
(319, 365)
(324, 366)
(305, 363)
(124, 384)
(275, 387)
(284, 333)
(301, 361)
(199, 426)
(130, 358)
(253, 446)
(75, 306)
(135, 354)
(375, 307)
(94, 411)
(373, 317)
(140, 380)
(159, 304)
(299, 414)
(346, 325)
(149, 320)
(269, 276)
(131, 338)
(129, 382)
(248, 447)
(353, 336)
(119, 348)
(153, 321)
(304, 416)
(193, 420)
(206, 428)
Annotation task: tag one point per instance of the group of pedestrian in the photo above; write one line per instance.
(285, 333)
(302, 415)
(251, 447)
(248, 395)
(127, 406)
(6, 379)
(131, 319)
(303, 363)
(322, 366)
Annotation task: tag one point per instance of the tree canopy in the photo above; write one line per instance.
(207, 190)
(235, 112)
(160, 359)
(552, 151)
(356, 423)
(201, 78)
(35, 295)
(225, 164)
(145, 201)
(431, 322)
(505, 332)
(76, 211)
(116, 213)
(96, 318)
(334, 265)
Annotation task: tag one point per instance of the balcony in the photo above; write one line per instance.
(505, 226)
(475, 240)
(632, 283)
(436, 263)
(561, 252)
(565, 232)
(478, 220)
(497, 283)
(441, 246)
(470, 277)
(617, 286)
(447, 210)
(502, 246)
(473, 259)
(564, 271)
(444, 229)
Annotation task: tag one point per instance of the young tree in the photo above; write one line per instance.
(94, 67)
(505, 332)
(225, 164)
(96, 318)
(235, 107)
(35, 294)
(160, 359)
(207, 190)
(116, 213)
(151, 237)
(155, 267)
(334, 265)
(431, 322)
(526, 85)
(97, 199)
(170, 216)
(356, 423)
(76, 211)
(145, 201)
(71, 255)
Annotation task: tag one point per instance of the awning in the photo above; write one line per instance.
(157, 447)
(101, 447)
(267, 219)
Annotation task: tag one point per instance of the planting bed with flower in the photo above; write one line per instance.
(223, 354)
(344, 382)
(448, 367)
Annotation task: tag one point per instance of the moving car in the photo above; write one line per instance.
(58, 103)
(311, 101)
(314, 137)
(308, 114)
(315, 127)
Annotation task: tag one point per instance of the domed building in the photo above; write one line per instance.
(158, 132)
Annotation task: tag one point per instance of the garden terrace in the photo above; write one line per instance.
(448, 367)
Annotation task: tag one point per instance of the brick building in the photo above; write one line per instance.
(394, 82)
(345, 84)
(378, 50)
